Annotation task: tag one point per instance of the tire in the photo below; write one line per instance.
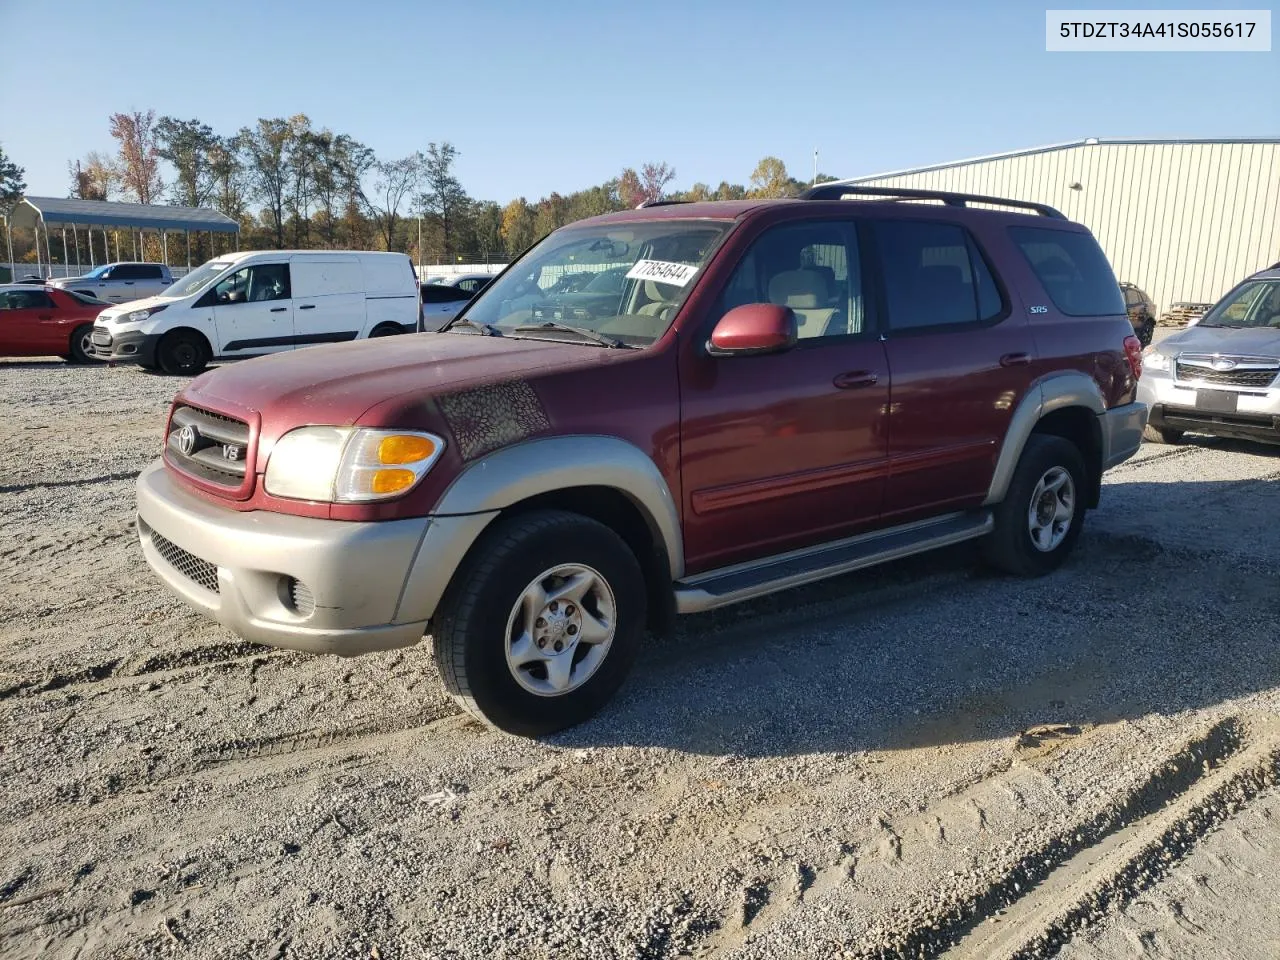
(1047, 463)
(79, 346)
(1155, 434)
(482, 610)
(386, 330)
(1147, 332)
(182, 353)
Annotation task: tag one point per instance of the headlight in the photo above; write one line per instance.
(143, 314)
(349, 464)
(1155, 360)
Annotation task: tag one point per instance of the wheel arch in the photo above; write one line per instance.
(1063, 404)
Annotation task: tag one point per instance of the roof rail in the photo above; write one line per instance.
(657, 203)
(837, 191)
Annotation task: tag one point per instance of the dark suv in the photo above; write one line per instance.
(773, 392)
(1142, 312)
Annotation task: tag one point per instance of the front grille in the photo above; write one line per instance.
(209, 445)
(200, 572)
(1248, 372)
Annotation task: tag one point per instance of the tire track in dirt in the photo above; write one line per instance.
(923, 929)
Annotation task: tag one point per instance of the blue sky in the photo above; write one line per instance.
(559, 95)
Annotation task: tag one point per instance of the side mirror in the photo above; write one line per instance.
(753, 329)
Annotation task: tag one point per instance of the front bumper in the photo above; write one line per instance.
(124, 347)
(1173, 407)
(371, 586)
(1121, 432)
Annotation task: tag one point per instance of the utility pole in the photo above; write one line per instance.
(815, 167)
(419, 248)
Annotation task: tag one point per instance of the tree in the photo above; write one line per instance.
(730, 191)
(395, 180)
(487, 218)
(13, 182)
(186, 145)
(770, 179)
(227, 176)
(264, 150)
(654, 178)
(337, 164)
(300, 163)
(518, 226)
(443, 201)
(88, 182)
(139, 160)
(630, 189)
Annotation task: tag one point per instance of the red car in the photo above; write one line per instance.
(775, 392)
(44, 321)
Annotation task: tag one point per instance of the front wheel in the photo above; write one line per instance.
(541, 623)
(182, 353)
(81, 344)
(1039, 521)
(1146, 333)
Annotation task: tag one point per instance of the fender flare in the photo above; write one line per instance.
(1053, 392)
(512, 474)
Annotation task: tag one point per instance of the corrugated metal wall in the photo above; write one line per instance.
(1183, 221)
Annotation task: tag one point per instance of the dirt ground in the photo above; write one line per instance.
(922, 761)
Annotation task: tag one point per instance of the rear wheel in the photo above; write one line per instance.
(1039, 521)
(541, 623)
(81, 344)
(386, 330)
(182, 353)
(1156, 434)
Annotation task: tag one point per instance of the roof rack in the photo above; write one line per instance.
(837, 191)
(657, 203)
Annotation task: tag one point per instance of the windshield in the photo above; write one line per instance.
(623, 280)
(196, 280)
(95, 274)
(1254, 304)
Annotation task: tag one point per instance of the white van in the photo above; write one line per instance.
(258, 302)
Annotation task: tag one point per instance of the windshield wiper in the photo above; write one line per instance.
(486, 329)
(583, 332)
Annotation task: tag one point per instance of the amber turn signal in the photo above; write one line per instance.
(404, 448)
(391, 481)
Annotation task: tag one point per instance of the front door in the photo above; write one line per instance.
(961, 358)
(253, 311)
(29, 324)
(786, 450)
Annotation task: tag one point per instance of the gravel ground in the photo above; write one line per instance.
(920, 761)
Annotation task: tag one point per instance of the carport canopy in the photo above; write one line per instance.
(59, 211)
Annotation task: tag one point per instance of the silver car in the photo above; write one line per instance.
(1219, 376)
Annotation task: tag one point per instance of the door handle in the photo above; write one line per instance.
(279, 309)
(307, 306)
(855, 378)
(1015, 359)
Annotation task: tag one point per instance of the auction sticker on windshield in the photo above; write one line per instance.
(662, 271)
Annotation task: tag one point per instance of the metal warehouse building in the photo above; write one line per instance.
(1185, 220)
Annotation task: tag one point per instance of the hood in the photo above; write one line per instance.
(1251, 342)
(117, 309)
(336, 383)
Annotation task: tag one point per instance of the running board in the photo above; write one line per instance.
(746, 581)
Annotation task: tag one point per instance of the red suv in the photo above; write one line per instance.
(776, 392)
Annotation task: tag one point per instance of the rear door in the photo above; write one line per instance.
(961, 358)
(328, 299)
(29, 324)
(252, 310)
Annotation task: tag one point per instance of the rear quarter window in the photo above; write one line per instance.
(1073, 271)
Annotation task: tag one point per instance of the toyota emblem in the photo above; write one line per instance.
(187, 440)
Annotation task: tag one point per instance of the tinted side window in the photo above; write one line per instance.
(434, 294)
(149, 273)
(934, 276)
(1073, 270)
(126, 271)
(813, 268)
(26, 300)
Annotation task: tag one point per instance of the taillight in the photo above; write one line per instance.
(1133, 353)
